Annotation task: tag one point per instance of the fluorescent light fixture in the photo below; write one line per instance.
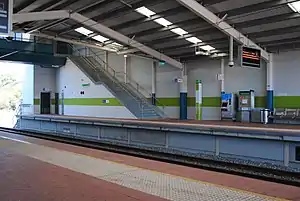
(194, 40)
(117, 44)
(163, 21)
(295, 6)
(100, 38)
(145, 11)
(207, 48)
(179, 31)
(83, 31)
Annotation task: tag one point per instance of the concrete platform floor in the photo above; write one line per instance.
(33, 169)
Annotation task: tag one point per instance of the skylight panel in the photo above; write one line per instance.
(163, 22)
(207, 48)
(100, 38)
(194, 40)
(83, 31)
(295, 6)
(179, 31)
(145, 11)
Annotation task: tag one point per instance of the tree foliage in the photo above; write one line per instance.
(10, 93)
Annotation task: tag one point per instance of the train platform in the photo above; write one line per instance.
(198, 124)
(35, 169)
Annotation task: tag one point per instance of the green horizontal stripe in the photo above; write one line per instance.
(87, 101)
(290, 102)
(260, 101)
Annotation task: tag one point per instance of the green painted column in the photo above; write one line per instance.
(198, 100)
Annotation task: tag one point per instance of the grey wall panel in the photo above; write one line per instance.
(48, 126)
(86, 130)
(148, 137)
(292, 150)
(119, 134)
(66, 128)
(202, 143)
(272, 150)
(30, 124)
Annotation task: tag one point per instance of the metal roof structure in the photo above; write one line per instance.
(169, 27)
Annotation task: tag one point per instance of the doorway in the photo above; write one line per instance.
(45, 103)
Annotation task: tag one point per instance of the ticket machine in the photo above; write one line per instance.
(228, 106)
(246, 105)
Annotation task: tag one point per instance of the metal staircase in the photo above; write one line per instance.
(128, 92)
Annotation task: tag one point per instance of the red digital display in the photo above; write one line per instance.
(251, 57)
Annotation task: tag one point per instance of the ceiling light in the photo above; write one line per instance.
(83, 31)
(194, 40)
(163, 21)
(100, 38)
(145, 11)
(295, 6)
(179, 31)
(117, 44)
(207, 47)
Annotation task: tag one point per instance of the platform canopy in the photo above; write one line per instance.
(170, 28)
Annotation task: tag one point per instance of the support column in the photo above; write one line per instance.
(106, 60)
(125, 68)
(222, 75)
(183, 95)
(270, 87)
(154, 83)
(198, 100)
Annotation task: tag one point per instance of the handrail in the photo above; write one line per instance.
(95, 68)
(128, 79)
(114, 74)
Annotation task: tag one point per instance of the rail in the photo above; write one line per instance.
(124, 78)
(96, 68)
(111, 72)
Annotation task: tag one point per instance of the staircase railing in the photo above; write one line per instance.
(121, 77)
(116, 81)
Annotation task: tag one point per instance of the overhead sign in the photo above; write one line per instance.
(6, 9)
(251, 57)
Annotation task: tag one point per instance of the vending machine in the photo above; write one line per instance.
(229, 106)
(246, 105)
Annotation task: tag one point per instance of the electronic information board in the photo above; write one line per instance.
(6, 17)
(251, 57)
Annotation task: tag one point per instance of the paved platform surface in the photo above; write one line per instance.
(34, 169)
(191, 123)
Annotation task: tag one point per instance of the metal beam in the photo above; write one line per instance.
(75, 42)
(214, 20)
(37, 16)
(124, 39)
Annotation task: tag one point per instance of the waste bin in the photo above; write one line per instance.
(264, 116)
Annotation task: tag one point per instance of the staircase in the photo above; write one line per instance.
(127, 93)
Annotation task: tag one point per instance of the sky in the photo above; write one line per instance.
(18, 70)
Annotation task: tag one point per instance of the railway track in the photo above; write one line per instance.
(262, 173)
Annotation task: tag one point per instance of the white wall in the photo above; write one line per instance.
(44, 81)
(287, 73)
(70, 80)
(28, 89)
(236, 79)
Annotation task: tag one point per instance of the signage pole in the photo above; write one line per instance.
(198, 100)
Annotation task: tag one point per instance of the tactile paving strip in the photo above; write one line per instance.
(178, 189)
(147, 181)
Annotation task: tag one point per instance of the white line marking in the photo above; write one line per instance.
(8, 138)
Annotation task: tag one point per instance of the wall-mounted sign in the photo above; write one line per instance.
(85, 84)
(250, 57)
(6, 7)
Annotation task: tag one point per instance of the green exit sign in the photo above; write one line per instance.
(161, 63)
